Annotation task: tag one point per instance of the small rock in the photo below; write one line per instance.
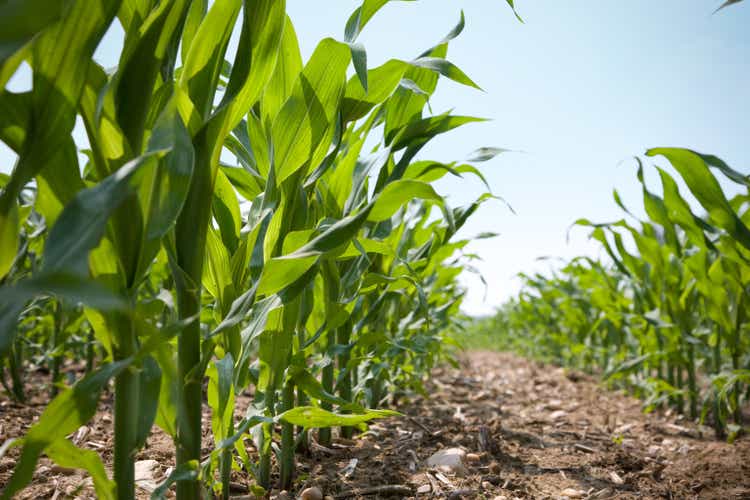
(473, 458)
(557, 415)
(311, 494)
(554, 404)
(147, 473)
(493, 479)
(573, 493)
(424, 489)
(59, 469)
(486, 485)
(449, 460)
(615, 478)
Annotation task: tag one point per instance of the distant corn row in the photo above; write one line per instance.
(667, 313)
(256, 223)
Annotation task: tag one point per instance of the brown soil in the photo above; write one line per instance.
(530, 431)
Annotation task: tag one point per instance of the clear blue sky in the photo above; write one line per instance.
(580, 87)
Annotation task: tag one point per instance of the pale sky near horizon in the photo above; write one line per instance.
(580, 87)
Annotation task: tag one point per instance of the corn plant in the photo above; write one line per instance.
(662, 317)
(317, 274)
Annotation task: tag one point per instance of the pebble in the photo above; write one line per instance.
(605, 493)
(557, 415)
(424, 489)
(573, 493)
(615, 478)
(449, 460)
(313, 493)
(59, 469)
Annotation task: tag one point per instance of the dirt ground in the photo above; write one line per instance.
(525, 431)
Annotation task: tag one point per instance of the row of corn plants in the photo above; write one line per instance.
(241, 222)
(666, 311)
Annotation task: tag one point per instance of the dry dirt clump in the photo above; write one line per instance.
(500, 427)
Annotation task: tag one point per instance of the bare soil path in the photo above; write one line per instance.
(525, 430)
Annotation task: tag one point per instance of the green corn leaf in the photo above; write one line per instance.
(361, 16)
(149, 386)
(15, 114)
(706, 189)
(304, 126)
(420, 131)
(58, 183)
(658, 212)
(408, 101)
(445, 68)
(397, 194)
(167, 188)
(226, 210)
(67, 412)
(310, 417)
(203, 64)
(9, 237)
(288, 67)
(22, 20)
(221, 397)
(13, 299)
(727, 3)
(260, 41)
(730, 173)
(61, 56)
(187, 471)
(81, 225)
(274, 349)
(280, 272)
(486, 154)
(66, 454)
(196, 13)
(313, 388)
(679, 210)
(359, 60)
(141, 60)
(510, 2)
(382, 82)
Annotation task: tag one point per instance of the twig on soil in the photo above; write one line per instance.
(441, 477)
(319, 447)
(460, 493)
(388, 489)
(583, 448)
(436, 489)
(419, 424)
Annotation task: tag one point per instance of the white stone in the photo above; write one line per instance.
(147, 474)
(449, 460)
(573, 493)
